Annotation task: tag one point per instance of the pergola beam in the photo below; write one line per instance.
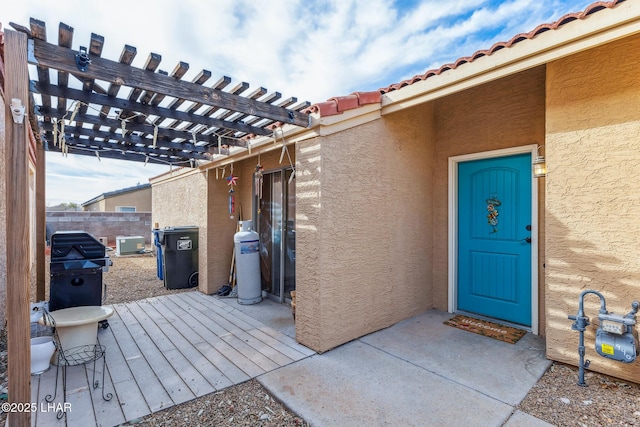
(164, 134)
(131, 156)
(148, 110)
(131, 144)
(63, 59)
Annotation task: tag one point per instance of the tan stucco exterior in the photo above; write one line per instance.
(201, 198)
(501, 114)
(363, 232)
(372, 187)
(372, 226)
(140, 199)
(181, 200)
(593, 193)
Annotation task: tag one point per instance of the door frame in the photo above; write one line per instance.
(453, 226)
(283, 245)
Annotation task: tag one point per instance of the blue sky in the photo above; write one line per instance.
(312, 50)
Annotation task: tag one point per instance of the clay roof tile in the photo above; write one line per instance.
(339, 104)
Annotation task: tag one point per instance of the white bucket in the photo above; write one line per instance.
(42, 349)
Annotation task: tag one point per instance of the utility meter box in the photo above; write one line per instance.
(622, 348)
(129, 245)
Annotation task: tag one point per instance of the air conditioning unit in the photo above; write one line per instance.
(128, 245)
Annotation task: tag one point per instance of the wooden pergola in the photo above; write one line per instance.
(145, 115)
(84, 104)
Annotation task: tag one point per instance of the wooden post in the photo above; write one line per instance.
(41, 223)
(17, 232)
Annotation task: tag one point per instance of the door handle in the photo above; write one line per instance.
(526, 239)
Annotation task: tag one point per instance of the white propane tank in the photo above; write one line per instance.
(247, 250)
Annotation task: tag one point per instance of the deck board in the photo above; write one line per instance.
(250, 325)
(196, 334)
(155, 395)
(46, 386)
(164, 351)
(245, 339)
(208, 332)
(106, 413)
(78, 397)
(123, 383)
(197, 384)
(169, 378)
(257, 325)
(208, 370)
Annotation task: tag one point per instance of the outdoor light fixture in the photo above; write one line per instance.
(539, 166)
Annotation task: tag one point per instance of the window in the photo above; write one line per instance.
(125, 208)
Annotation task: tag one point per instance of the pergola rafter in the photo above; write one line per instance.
(143, 114)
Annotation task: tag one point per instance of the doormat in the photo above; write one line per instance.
(488, 329)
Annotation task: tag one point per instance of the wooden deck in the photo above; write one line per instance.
(164, 351)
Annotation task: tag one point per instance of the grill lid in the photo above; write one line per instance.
(74, 245)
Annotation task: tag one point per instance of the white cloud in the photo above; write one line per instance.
(309, 49)
(78, 179)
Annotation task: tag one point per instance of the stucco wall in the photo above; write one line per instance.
(245, 169)
(141, 199)
(222, 226)
(183, 202)
(98, 206)
(497, 115)
(202, 199)
(593, 193)
(363, 231)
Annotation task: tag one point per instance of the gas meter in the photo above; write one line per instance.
(615, 337)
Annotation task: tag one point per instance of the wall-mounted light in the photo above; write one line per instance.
(17, 110)
(539, 165)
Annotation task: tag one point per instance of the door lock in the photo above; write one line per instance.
(526, 239)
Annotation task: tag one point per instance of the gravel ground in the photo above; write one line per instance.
(606, 401)
(555, 398)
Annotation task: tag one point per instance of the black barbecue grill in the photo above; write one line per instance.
(77, 262)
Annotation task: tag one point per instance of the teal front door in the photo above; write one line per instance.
(494, 238)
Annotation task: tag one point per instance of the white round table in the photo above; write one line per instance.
(77, 326)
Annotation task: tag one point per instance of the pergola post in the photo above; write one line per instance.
(17, 230)
(41, 222)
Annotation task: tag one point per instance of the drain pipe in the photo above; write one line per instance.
(580, 324)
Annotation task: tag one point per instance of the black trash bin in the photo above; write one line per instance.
(77, 262)
(179, 256)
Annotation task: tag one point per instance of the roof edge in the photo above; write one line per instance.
(340, 104)
(116, 193)
(565, 19)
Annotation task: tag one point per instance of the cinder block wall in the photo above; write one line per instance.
(593, 194)
(103, 224)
